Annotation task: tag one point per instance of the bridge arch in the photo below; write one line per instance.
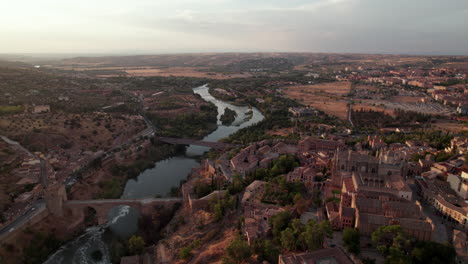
(77, 208)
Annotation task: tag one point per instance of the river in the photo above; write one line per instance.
(123, 220)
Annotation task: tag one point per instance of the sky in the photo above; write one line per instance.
(186, 26)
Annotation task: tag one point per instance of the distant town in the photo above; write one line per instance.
(286, 158)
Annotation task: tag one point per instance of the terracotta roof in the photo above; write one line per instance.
(349, 184)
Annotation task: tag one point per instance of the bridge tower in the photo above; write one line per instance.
(55, 197)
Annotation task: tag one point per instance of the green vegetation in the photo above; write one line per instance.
(281, 191)
(291, 234)
(415, 157)
(237, 252)
(399, 247)
(278, 190)
(228, 117)
(219, 207)
(136, 244)
(450, 82)
(111, 189)
(11, 109)
(274, 119)
(351, 239)
(274, 107)
(282, 165)
(40, 247)
(202, 189)
(443, 156)
(168, 105)
(266, 250)
(436, 138)
(118, 248)
(370, 120)
(187, 125)
(186, 252)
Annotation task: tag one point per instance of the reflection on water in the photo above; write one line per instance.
(123, 220)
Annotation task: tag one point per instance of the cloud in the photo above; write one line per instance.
(399, 26)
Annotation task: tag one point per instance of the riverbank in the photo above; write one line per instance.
(109, 180)
(166, 174)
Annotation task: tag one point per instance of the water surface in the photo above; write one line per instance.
(168, 173)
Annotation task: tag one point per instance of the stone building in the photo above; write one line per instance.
(450, 206)
(368, 205)
(37, 109)
(370, 173)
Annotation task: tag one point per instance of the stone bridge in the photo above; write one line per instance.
(76, 209)
(188, 141)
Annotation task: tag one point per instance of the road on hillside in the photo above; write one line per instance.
(37, 207)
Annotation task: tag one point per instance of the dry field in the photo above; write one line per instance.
(198, 72)
(336, 88)
(75, 132)
(330, 105)
(424, 108)
(451, 126)
(186, 103)
(182, 71)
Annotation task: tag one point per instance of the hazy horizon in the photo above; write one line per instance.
(122, 27)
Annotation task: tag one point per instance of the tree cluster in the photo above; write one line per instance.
(292, 235)
(398, 247)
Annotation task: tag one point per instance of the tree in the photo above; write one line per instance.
(288, 240)
(393, 243)
(278, 223)
(383, 237)
(185, 253)
(297, 227)
(314, 235)
(300, 203)
(351, 240)
(237, 252)
(136, 244)
(432, 252)
(220, 206)
(266, 250)
(236, 185)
